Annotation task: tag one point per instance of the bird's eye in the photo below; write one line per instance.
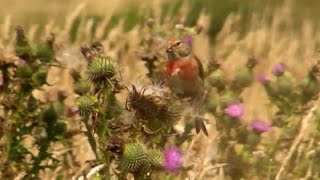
(178, 43)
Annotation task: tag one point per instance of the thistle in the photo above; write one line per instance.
(284, 84)
(244, 76)
(172, 160)
(40, 77)
(85, 104)
(22, 48)
(101, 68)
(25, 71)
(155, 160)
(234, 110)
(152, 103)
(310, 85)
(81, 87)
(50, 116)
(115, 145)
(134, 157)
(45, 51)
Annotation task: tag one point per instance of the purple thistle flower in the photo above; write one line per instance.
(234, 110)
(73, 110)
(21, 62)
(278, 69)
(172, 159)
(188, 39)
(259, 126)
(263, 79)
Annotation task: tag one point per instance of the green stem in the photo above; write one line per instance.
(90, 137)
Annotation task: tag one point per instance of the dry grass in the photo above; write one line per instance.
(269, 43)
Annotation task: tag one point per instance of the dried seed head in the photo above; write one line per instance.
(115, 145)
(21, 37)
(251, 63)
(146, 100)
(152, 103)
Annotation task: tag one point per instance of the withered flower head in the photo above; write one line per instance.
(20, 34)
(152, 102)
(115, 145)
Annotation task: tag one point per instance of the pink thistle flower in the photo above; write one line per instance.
(234, 110)
(188, 39)
(21, 62)
(73, 111)
(263, 79)
(278, 69)
(259, 126)
(172, 159)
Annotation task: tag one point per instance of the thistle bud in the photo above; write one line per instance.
(134, 157)
(310, 86)
(81, 87)
(40, 77)
(46, 51)
(60, 128)
(243, 78)
(101, 69)
(253, 139)
(216, 79)
(155, 160)
(25, 71)
(50, 116)
(228, 98)
(22, 48)
(211, 105)
(85, 104)
(284, 85)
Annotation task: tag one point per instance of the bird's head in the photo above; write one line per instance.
(177, 49)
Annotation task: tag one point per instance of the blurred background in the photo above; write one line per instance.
(41, 12)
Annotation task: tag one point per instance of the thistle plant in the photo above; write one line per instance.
(100, 98)
(26, 115)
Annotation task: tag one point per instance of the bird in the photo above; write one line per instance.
(184, 75)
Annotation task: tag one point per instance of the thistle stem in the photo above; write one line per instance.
(90, 136)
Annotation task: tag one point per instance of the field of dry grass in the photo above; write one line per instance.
(271, 37)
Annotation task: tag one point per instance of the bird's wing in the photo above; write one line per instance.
(201, 73)
(200, 67)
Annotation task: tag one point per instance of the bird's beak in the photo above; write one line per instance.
(169, 49)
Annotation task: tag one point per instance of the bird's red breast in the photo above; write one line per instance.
(186, 69)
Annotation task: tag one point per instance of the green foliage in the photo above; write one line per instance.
(26, 115)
